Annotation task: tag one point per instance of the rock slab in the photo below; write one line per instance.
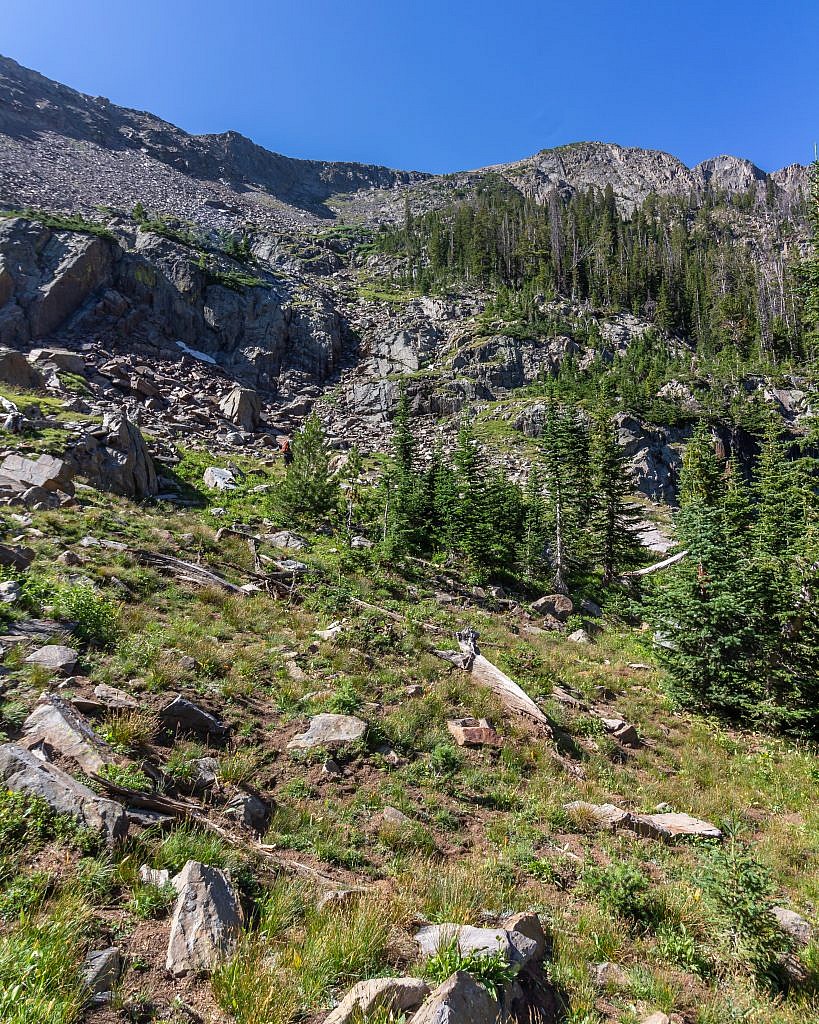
(206, 921)
(395, 995)
(459, 1000)
(330, 731)
(22, 772)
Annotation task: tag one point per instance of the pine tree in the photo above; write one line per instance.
(810, 269)
(533, 556)
(308, 492)
(614, 519)
(564, 458)
(403, 488)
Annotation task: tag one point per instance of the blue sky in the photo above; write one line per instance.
(442, 86)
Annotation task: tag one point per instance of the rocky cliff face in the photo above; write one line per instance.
(169, 321)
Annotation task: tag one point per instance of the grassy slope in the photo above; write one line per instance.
(488, 831)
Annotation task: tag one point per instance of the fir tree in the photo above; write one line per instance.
(613, 519)
(308, 492)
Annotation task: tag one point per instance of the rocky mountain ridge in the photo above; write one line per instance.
(66, 150)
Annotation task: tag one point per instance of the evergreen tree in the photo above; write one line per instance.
(564, 458)
(308, 492)
(614, 519)
(533, 557)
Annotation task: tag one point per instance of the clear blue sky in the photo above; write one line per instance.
(446, 85)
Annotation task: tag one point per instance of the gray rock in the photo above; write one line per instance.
(580, 636)
(793, 925)
(286, 540)
(17, 371)
(55, 727)
(249, 810)
(154, 876)
(111, 697)
(515, 947)
(22, 772)
(59, 358)
(393, 995)
(673, 826)
(100, 972)
(559, 606)
(55, 658)
(115, 458)
(361, 543)
(243, 407)
(206, 922)
(331, 731)
(9, 591)
(622, 731)
(459, 1000)
(47, 472)
(187, 716)
(219, 479)
(527, 923)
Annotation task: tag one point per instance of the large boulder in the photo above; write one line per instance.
(16, 370)
(22, 772)
(459, 1000)
(673, 826)
(54, 727)
(115, 458)
(393, 995)
(47, 472)
(243, 407)
(206, 921)
(54, 658)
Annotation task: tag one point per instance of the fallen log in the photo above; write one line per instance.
(513, 697)
(188, 571)
(656, 567)
(187, 811)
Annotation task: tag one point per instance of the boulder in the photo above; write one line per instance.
(189, 717)
(55, 727)
(473, 732)
(393, 817)
(793, 925)
(47, 472)
(285, 540)
(54, 658)
(15, 558)
(219, 479)
(559, 606)
(622, 731)
(672, 826)
(331, 731)
(206, 921)
(243, 407)
(22, 772)
(515, 947)
(249, 810)
(100, 973)
(60, 358)
(154, 876)
(527, 923)
(10, 591)
(115, 699)
(459, 1000)
(658, 1017)
(16, 370)
(115, 458)
(580, 636)
(393, 995)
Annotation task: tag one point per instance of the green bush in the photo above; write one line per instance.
(493, 971)
(96, 617)
(28, 822)
(149, 901)
(625, 890)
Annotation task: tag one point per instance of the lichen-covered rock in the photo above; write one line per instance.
(55, 727)
(515, 947)
(206, 921)
(243, 407)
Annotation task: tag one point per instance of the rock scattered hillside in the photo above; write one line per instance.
(256, 767)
